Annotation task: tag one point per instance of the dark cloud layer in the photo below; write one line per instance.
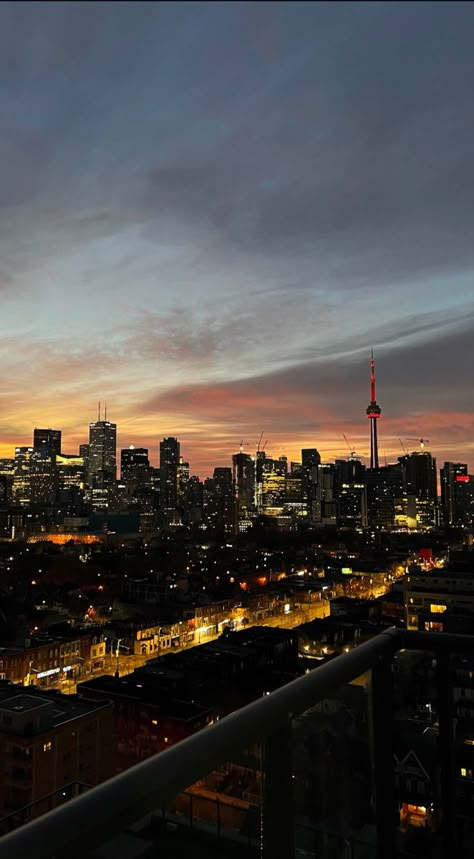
(219, 207)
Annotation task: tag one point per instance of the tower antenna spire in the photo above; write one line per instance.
(105, 418)
(98, 411)
(373, 412)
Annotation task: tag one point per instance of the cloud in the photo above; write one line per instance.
(208, 215)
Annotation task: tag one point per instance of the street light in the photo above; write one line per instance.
(117, 653)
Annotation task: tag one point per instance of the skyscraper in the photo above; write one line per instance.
(47, 438)
(419, 483)
(243, 479)
(457, 491)
(183, 479)
(102, 472)
(134, 463)
(373, 412)
(223, 498)
(169, 466)
(310, 460)
(22, 476)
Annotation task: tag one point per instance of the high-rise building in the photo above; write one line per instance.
(386, 498)
(169, 466)
(223, 498)
(351, 493)
(84, 453)
(183, 478)
(134, 463)
(102, 454)
(191, 499)
(71, 479)
(310, 460)
(273, 492)
(243, 479)
(102, 462)
(43, 477)
(457, 494)
(420, 486)
(47, 438)
(22, 476)
(325, 494)
(7, 472)
(281, 465)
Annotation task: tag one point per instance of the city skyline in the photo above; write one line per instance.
(215, 254)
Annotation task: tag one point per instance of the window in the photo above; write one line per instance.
(437, 608)
(47, 746)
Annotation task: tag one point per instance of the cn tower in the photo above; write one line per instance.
(373, 413)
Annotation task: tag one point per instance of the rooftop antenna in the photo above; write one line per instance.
(98, 411)
(105, 418)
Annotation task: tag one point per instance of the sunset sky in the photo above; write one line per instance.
(210, 212)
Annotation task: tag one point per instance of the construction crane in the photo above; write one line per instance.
(259, 442)
(421, 441)
(350, 447)
(403, 446)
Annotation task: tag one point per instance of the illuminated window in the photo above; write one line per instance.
(436, 608)
(154, 721)
(47, 746)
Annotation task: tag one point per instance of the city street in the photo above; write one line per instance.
(128, 663)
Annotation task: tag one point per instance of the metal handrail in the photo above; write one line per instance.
(94, 816)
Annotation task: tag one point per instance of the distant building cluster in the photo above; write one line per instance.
(43, 489)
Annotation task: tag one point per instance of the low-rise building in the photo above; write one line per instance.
(48, 742)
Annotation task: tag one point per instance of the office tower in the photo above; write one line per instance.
(260, 460)
(102, 460)
(243, 479)
(169, 465)
(43, 477)
(183, 478)
(22, 476)
(351, 494)
(457, 494)
(273, 492)
(134, 463)
(294, 490)
(223, 498)
(192, 500)
(373, 412)
(419, 483)
(47, 438)
(386, 498)
(325, 494)
(71, 481)
(281, 465)
(310, 460)
(7, 472)
(84, 454)
(7, 467)
(102, 454)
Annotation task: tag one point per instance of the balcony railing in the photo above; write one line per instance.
(79, 827)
